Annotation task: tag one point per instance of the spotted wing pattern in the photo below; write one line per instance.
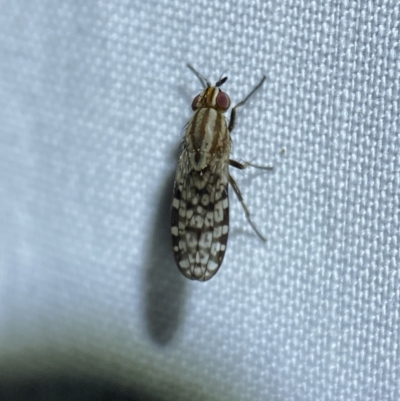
(200, 218)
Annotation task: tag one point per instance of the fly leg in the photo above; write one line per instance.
(232, 120)
(246, 210)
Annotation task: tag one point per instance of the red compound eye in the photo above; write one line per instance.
(223, 101)
(194, 103)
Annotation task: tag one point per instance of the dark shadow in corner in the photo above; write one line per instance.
(165, 286)
(60, 388)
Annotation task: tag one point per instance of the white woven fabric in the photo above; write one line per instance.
(93, 98)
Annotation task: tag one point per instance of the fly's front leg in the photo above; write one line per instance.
(246, 211)
(232, 120)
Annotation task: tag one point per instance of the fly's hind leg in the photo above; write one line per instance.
(242, 166)
(246, 211)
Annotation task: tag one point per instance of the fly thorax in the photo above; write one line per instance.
(208, 133)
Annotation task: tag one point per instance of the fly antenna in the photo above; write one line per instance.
(222, 80)
(204, 81)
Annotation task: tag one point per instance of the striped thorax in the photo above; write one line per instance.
(207, 135)
(200, 207)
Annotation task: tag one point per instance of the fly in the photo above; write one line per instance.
(200, 205)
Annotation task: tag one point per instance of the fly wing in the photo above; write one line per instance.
(200, 218)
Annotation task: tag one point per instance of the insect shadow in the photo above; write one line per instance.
(165, 288)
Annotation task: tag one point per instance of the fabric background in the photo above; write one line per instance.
(93, 98)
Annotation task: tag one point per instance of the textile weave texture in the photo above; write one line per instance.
(93, 99)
